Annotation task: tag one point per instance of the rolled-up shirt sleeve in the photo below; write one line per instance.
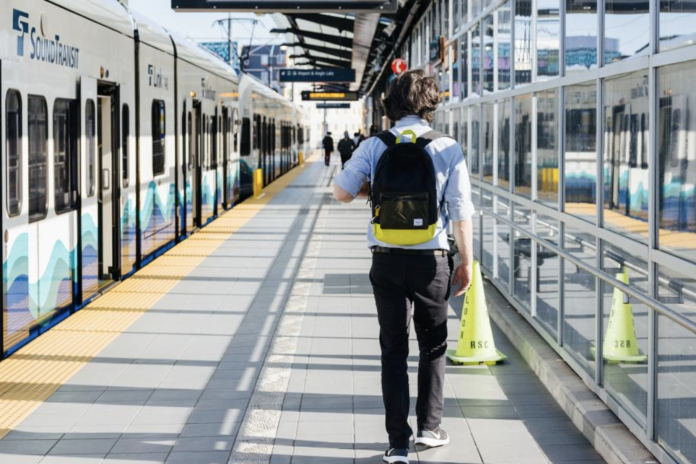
(458, 189)
(357, 170)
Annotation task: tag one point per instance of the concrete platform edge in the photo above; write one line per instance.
(609, 436)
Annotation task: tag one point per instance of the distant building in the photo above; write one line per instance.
(222, 50)
(264, 62)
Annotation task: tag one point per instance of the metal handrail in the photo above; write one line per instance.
(660, 308)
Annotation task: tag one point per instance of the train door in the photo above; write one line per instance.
(89, 180)
(186, 168)
(108, 199)
(225, 156)
(198, 143)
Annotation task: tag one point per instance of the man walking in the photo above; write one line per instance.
(346, 146)
(418, 184)
(328, 145)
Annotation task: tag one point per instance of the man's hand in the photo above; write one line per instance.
(364, 190)
(462, 276)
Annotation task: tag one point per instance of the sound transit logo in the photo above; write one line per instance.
(43, 49)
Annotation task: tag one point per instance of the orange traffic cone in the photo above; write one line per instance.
(476, 344)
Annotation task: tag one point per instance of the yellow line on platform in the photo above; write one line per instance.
(30, 376)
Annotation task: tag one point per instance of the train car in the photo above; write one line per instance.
(112, 150)
(67, 131)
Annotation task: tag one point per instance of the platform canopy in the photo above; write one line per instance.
(287, 6)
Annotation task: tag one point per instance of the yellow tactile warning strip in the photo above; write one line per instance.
(30, 376)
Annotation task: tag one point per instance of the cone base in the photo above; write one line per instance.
(617, 359)
(475, 360)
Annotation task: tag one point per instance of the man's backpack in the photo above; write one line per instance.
(405, 206)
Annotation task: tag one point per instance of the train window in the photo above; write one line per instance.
(38, 157)
(90, 131)
(158, 137)
(125, 123)
(246, 135)
(13, 134)
(65, 155)
(257, 128)
(225, 137)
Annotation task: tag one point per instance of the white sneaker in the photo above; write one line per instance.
(432, 438)
(396, 455)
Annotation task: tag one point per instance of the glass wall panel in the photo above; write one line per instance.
(476, 221)
(475, 62)
(547, 288)
(581, 36)
(625, 364)
(676, 366)
(580, 151)
(626, 155)
(488, 130)
(488, 239)
(677, 160)
(522, 271)
(548, 39)
(617, 260)
(504, 45)
(464, 134)
(676, 27)
(502, 250)
(456, 79)
(547, 147)
(474, 139)
(522, 217)
(523, 42)
(626, 29)
(580, 243)
(464, 66)
(579, 302)
(503, 160)
(474, 7)
(523, 145)
(488, 53)
(455, 124)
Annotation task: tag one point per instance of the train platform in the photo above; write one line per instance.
(256, 341)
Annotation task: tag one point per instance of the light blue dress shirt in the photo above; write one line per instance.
(450, 169)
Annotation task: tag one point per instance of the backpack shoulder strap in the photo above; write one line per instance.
(387, 137)
(430, 136)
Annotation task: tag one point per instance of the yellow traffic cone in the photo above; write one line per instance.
(476, 344)
(620, 343)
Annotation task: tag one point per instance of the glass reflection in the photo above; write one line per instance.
(523, 42)
(677, 165)
(579, 302)
(488, 240)
(488, 124)
(548, 38)
(676, 28)
(626, 29)
(504, 44)
(464, 66)
(475, 62)
(547, 147)
(626, 155)
(504, 144)
(474, 139)
(676, 364)
(580, 151)
(523, 145)
(464, 134)
(488, 53)
(581, 36)
(547, 288)
(502, 251)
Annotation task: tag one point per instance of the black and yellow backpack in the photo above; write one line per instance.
(405, 206)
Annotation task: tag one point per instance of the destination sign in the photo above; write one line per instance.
(329, 96)
(318, 75)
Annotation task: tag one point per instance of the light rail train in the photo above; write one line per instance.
(119, 139)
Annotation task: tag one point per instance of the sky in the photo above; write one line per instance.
(199, 26)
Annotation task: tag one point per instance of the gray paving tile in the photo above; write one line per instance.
(143, 445)
(83, 446)
(9, 458)
(129, 458)
(26, 447)
(190, 457)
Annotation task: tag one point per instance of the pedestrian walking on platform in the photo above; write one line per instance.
(346, 146)
(328, 145)
(418, 183)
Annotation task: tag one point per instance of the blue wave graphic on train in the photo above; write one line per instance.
(157, 218)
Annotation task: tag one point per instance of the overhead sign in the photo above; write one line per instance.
(333, 106)
(329, 96)
(398, 66)
(318, 75)
(285, 6)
